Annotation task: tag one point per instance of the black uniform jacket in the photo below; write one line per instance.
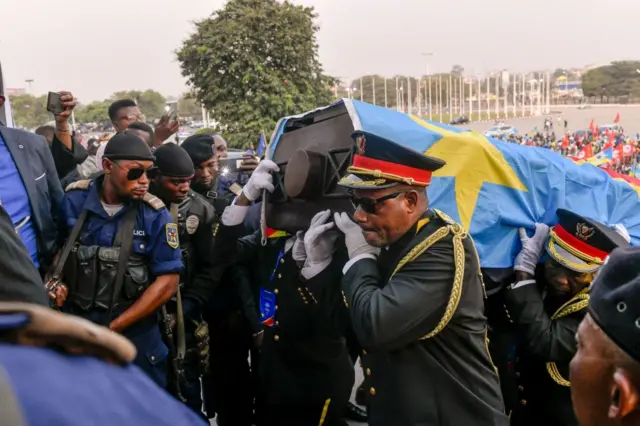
(196, 225)
(545, 336)
(304, 358)
(418, 313)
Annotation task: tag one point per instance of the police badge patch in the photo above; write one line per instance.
(192, 224)
(172, 235)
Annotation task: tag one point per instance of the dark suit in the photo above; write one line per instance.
(423, 330)
(20, 279)
(34, 162)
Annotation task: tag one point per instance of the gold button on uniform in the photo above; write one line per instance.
(276, 337)
(372, 392)
(364, 352)
(277, 323)
(276, 291)
(520, 388)
(279, 276)
(281, 260)
(523, 401)
(368, 372)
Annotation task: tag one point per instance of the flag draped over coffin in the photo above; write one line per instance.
(493, 187)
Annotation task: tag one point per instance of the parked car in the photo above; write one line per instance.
(463, 119)
(501, 130)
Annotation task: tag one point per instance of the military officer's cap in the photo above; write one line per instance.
(173, 161)
(615, 300)
(381, 163)
(200, 147)
(126, 146)
(582, 244)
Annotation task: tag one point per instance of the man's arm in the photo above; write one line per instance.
(549, 340)
(67, 153)
(200, 289)
(389, 316)
(165, 263)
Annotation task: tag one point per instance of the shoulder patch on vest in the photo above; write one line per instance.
(153, 201)
(235, 189)
(79, 184)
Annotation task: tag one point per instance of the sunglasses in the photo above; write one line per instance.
(368, 205)
(137, 172)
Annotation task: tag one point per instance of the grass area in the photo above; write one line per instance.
(490, 116)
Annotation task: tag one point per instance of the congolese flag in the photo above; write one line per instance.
(492, 187)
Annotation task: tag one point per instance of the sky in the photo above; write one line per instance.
(95, 47)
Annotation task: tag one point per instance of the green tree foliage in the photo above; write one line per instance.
(253, 62)
(150, 102)
(95, 112)
(30, 111)
(617, 79)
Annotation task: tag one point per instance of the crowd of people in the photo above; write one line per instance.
(146, 290)
(586, 145)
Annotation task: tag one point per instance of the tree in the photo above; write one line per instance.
(253, 62)
(150, 102)
(95, 112)
(616, 79)
(30, 112)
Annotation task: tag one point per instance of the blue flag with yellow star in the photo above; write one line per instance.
(493, 187)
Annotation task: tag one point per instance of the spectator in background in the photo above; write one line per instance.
(124, 112)
(144, 132)
(47, 132)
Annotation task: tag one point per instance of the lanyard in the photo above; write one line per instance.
(275, 268)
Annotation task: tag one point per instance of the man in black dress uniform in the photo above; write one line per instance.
(195, 219)
(416, 296)
(605, 372)
(305, 369)
(546, 312)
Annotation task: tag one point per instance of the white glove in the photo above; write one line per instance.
(532, 248)
(298, 252)
(260, 179)
(319, 242)
(354, 240)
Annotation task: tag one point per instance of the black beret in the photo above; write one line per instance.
(125, 146)
(615, 300)
(582, 244)
(171, 160)
(200, 148)
(381, 163)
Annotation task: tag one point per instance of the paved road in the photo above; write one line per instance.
(578, 119)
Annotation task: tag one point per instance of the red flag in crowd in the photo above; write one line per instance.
(627, 149)
(618, 152)
(586, 152)
(565, 142)
(617, 119)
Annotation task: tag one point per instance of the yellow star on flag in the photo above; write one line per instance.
(472, 160)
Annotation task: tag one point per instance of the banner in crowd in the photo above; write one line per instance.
(493, 187)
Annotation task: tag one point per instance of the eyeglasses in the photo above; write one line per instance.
(137, 172)
(368, 205)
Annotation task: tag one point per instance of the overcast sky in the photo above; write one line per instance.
(96, 47)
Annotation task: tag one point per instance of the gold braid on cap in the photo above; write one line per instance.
(576, 304)
(387, 176)
(573, 250)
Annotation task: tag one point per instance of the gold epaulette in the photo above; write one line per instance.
(577, 303)
(153, 201)
(79, 184)
(235, 189)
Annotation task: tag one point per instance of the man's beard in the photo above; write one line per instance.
(202, 188)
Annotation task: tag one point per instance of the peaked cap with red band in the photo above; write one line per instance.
(380, 163)
(582, 244)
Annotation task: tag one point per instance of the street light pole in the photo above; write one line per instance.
(427, 55)
(29, 81)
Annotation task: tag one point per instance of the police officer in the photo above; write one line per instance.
(121, 259)
(195, 217)
(605, 372)
(229, 391)
(546, 311)
(58, 369)
(417, 306)
(305, 369)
